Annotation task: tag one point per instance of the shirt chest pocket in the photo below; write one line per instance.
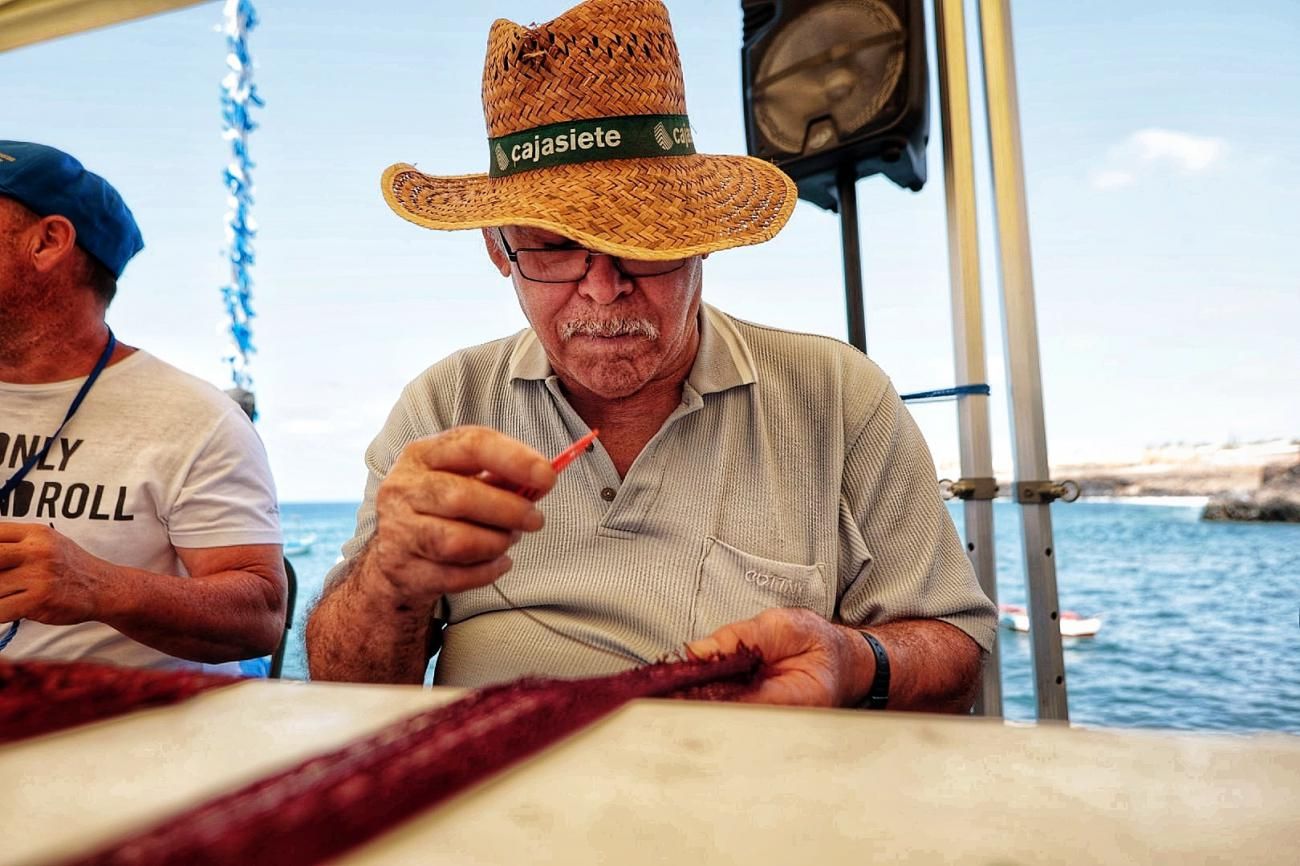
(734, 585)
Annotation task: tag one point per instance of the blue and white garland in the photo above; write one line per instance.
(239, 96)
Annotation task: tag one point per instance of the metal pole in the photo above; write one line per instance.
(967, 313)
(846, 184)
(1020, 336)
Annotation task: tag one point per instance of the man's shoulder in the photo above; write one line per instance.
(166, 386)
(806, 357)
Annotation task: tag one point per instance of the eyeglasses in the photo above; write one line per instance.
(571, 264)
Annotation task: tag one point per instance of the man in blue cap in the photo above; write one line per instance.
(138, 518)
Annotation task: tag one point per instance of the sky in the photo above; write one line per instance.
(1162, 167)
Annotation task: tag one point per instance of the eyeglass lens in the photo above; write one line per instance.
(569, 265)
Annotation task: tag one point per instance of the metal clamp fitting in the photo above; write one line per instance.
(969, 488)
(1045, 492)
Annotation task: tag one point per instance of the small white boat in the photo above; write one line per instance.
(1016, 617)
(300, 545)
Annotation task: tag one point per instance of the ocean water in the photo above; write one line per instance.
(1201, 621)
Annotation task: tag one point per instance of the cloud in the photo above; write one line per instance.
(1152, 150)
(1191, 153)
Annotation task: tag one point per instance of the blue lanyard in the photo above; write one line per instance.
(72, 410)
(38, 457)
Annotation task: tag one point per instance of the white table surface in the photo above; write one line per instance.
(680, 783)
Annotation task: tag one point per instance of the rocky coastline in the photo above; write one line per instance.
(1277, 499)
(1253, 482)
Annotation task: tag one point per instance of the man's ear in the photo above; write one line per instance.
(496, 252)
(52, 241)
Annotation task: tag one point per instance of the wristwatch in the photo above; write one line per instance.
(878, 696)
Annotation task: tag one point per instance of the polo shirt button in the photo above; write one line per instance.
(607, 494)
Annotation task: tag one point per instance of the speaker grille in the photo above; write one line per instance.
(827, 74)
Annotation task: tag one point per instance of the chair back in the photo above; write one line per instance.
(277, 658)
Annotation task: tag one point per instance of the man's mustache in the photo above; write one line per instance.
(616, 327)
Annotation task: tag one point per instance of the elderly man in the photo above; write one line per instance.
(138, 519)
(749, 485)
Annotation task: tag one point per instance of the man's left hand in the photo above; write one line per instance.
(808, 661)
(45, 576)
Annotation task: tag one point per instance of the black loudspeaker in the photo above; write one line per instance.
(834, 86)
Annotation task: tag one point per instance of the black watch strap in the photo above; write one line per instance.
(878, 696)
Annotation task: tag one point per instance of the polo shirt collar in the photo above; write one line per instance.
(723, 360)
(528, 359)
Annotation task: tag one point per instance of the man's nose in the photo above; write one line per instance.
(604, 284)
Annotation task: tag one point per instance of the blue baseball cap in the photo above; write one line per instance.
(48, 181)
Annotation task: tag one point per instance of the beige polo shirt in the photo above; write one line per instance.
(790, 475)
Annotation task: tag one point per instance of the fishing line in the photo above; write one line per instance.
(562, 460)
(553, 630)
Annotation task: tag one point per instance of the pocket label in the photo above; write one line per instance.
(735, 585)
(774, 582)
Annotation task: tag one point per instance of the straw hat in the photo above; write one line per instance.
(588, 137)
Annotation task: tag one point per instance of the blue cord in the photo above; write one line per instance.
(940, 393)
(12, 484)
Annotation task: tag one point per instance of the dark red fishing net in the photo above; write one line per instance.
(334, 802)
(42, 697)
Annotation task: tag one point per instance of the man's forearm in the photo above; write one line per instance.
(214, 618)
(934, 667)
(358, 636)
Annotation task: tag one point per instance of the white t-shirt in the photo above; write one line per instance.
(154, 459)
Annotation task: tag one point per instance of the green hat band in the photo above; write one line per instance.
(638, 136)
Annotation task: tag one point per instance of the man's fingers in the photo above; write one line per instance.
(790, 688)
(704, 648)
(459, 497)
(11, 533)
(722, 642)
(769, 691)
(458, 578)
(452, 541)
(416, 580)
(776, 633)
(404, 534)
(13, 606)
(470, 450)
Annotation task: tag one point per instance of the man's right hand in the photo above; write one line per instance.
(441, 527)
